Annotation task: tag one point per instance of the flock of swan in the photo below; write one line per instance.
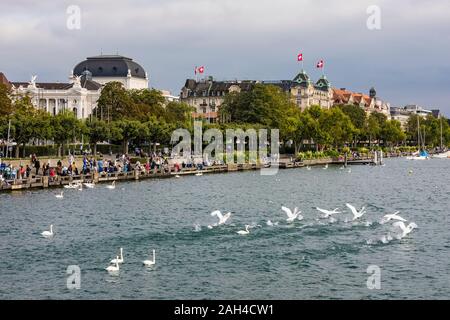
(295, 215)
(115, 263)
(79, 186)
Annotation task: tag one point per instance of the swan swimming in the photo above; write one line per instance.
(271, 224)
(177, 176)
(405, 229)
(328, 213)
(89, 185)
(48, 234)
(292, 215)
(356, 214)
(244, 232)
(60, 196)
(325, 167)
(199, 174)
(222, 218)
(117, 259)
(114, 268)
(149, 263)
(308, 168)
(112, 185)
(393, 216)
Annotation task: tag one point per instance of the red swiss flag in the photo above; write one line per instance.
(320, 64)
(300, 57)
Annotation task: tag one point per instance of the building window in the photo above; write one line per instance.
(75, 111)
(204, 109)
(213, 108)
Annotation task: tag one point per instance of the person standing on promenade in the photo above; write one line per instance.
(37, 165)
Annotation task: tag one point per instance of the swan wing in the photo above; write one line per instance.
(226, 217)
(288, 211)
(400, 225)
(396, 217)
(352, 208)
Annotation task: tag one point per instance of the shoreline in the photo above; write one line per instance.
(44, 182)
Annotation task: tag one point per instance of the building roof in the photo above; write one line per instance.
(87, 84)
(110, 66)
(214, 88)
(322, 84)
(4, 80)
(302, 79)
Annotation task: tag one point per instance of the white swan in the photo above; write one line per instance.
(48, 234)
(271, 224)
(244, 232)
(356, 214)
(114, 268)
(71, 186)
(118, 260)
(292, 215)
(393, 216)
(349, 170)
(177, 176)
(222, 218)
(112, 185)
(325, 167)
(328, 213)
(199, 174)
(149, 263)
(308, 168)
(89, 185)
(60, 196)
(405, 229)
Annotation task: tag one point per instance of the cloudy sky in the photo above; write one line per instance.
(407, 60)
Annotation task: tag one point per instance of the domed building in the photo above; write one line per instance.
(107, 68)
(81, 93)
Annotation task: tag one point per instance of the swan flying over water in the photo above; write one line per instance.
(392, 216)
(328, 213)
(405, 229)
(292, 215)
(356, 214)
(222, 218)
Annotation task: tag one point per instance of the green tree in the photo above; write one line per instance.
(6, 106)
(98, 131)
(114, 102)
(337, 127)
(66, 127)
(129, 130)
(392, 133)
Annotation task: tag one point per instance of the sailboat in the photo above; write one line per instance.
(422, 154)
(442, 155)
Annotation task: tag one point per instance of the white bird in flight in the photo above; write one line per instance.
(292, 215)
(48, 234)
(405, 229)
(392, 216)
(356, 214)
(328, 213)
(222, 218)
(244, 232)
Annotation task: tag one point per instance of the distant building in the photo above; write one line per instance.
(207, 95)
(81, 93)
(4, 80)
(402, 114)
(370, 103)
(169, 97)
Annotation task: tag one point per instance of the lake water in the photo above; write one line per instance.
(308, 259)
